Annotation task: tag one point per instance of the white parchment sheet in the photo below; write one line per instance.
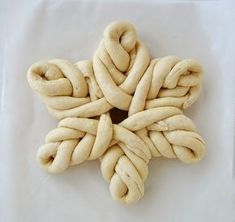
(175, 192)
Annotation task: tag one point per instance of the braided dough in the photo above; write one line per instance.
(121, 75)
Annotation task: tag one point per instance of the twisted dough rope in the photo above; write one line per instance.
(166, 132)
(71, 90)
(124, 77)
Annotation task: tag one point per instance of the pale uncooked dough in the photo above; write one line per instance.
(121, 75)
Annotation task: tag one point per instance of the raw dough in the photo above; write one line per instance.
(121, 75)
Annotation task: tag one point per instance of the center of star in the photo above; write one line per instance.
(118, 115)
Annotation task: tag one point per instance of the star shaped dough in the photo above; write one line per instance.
(122, 77)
